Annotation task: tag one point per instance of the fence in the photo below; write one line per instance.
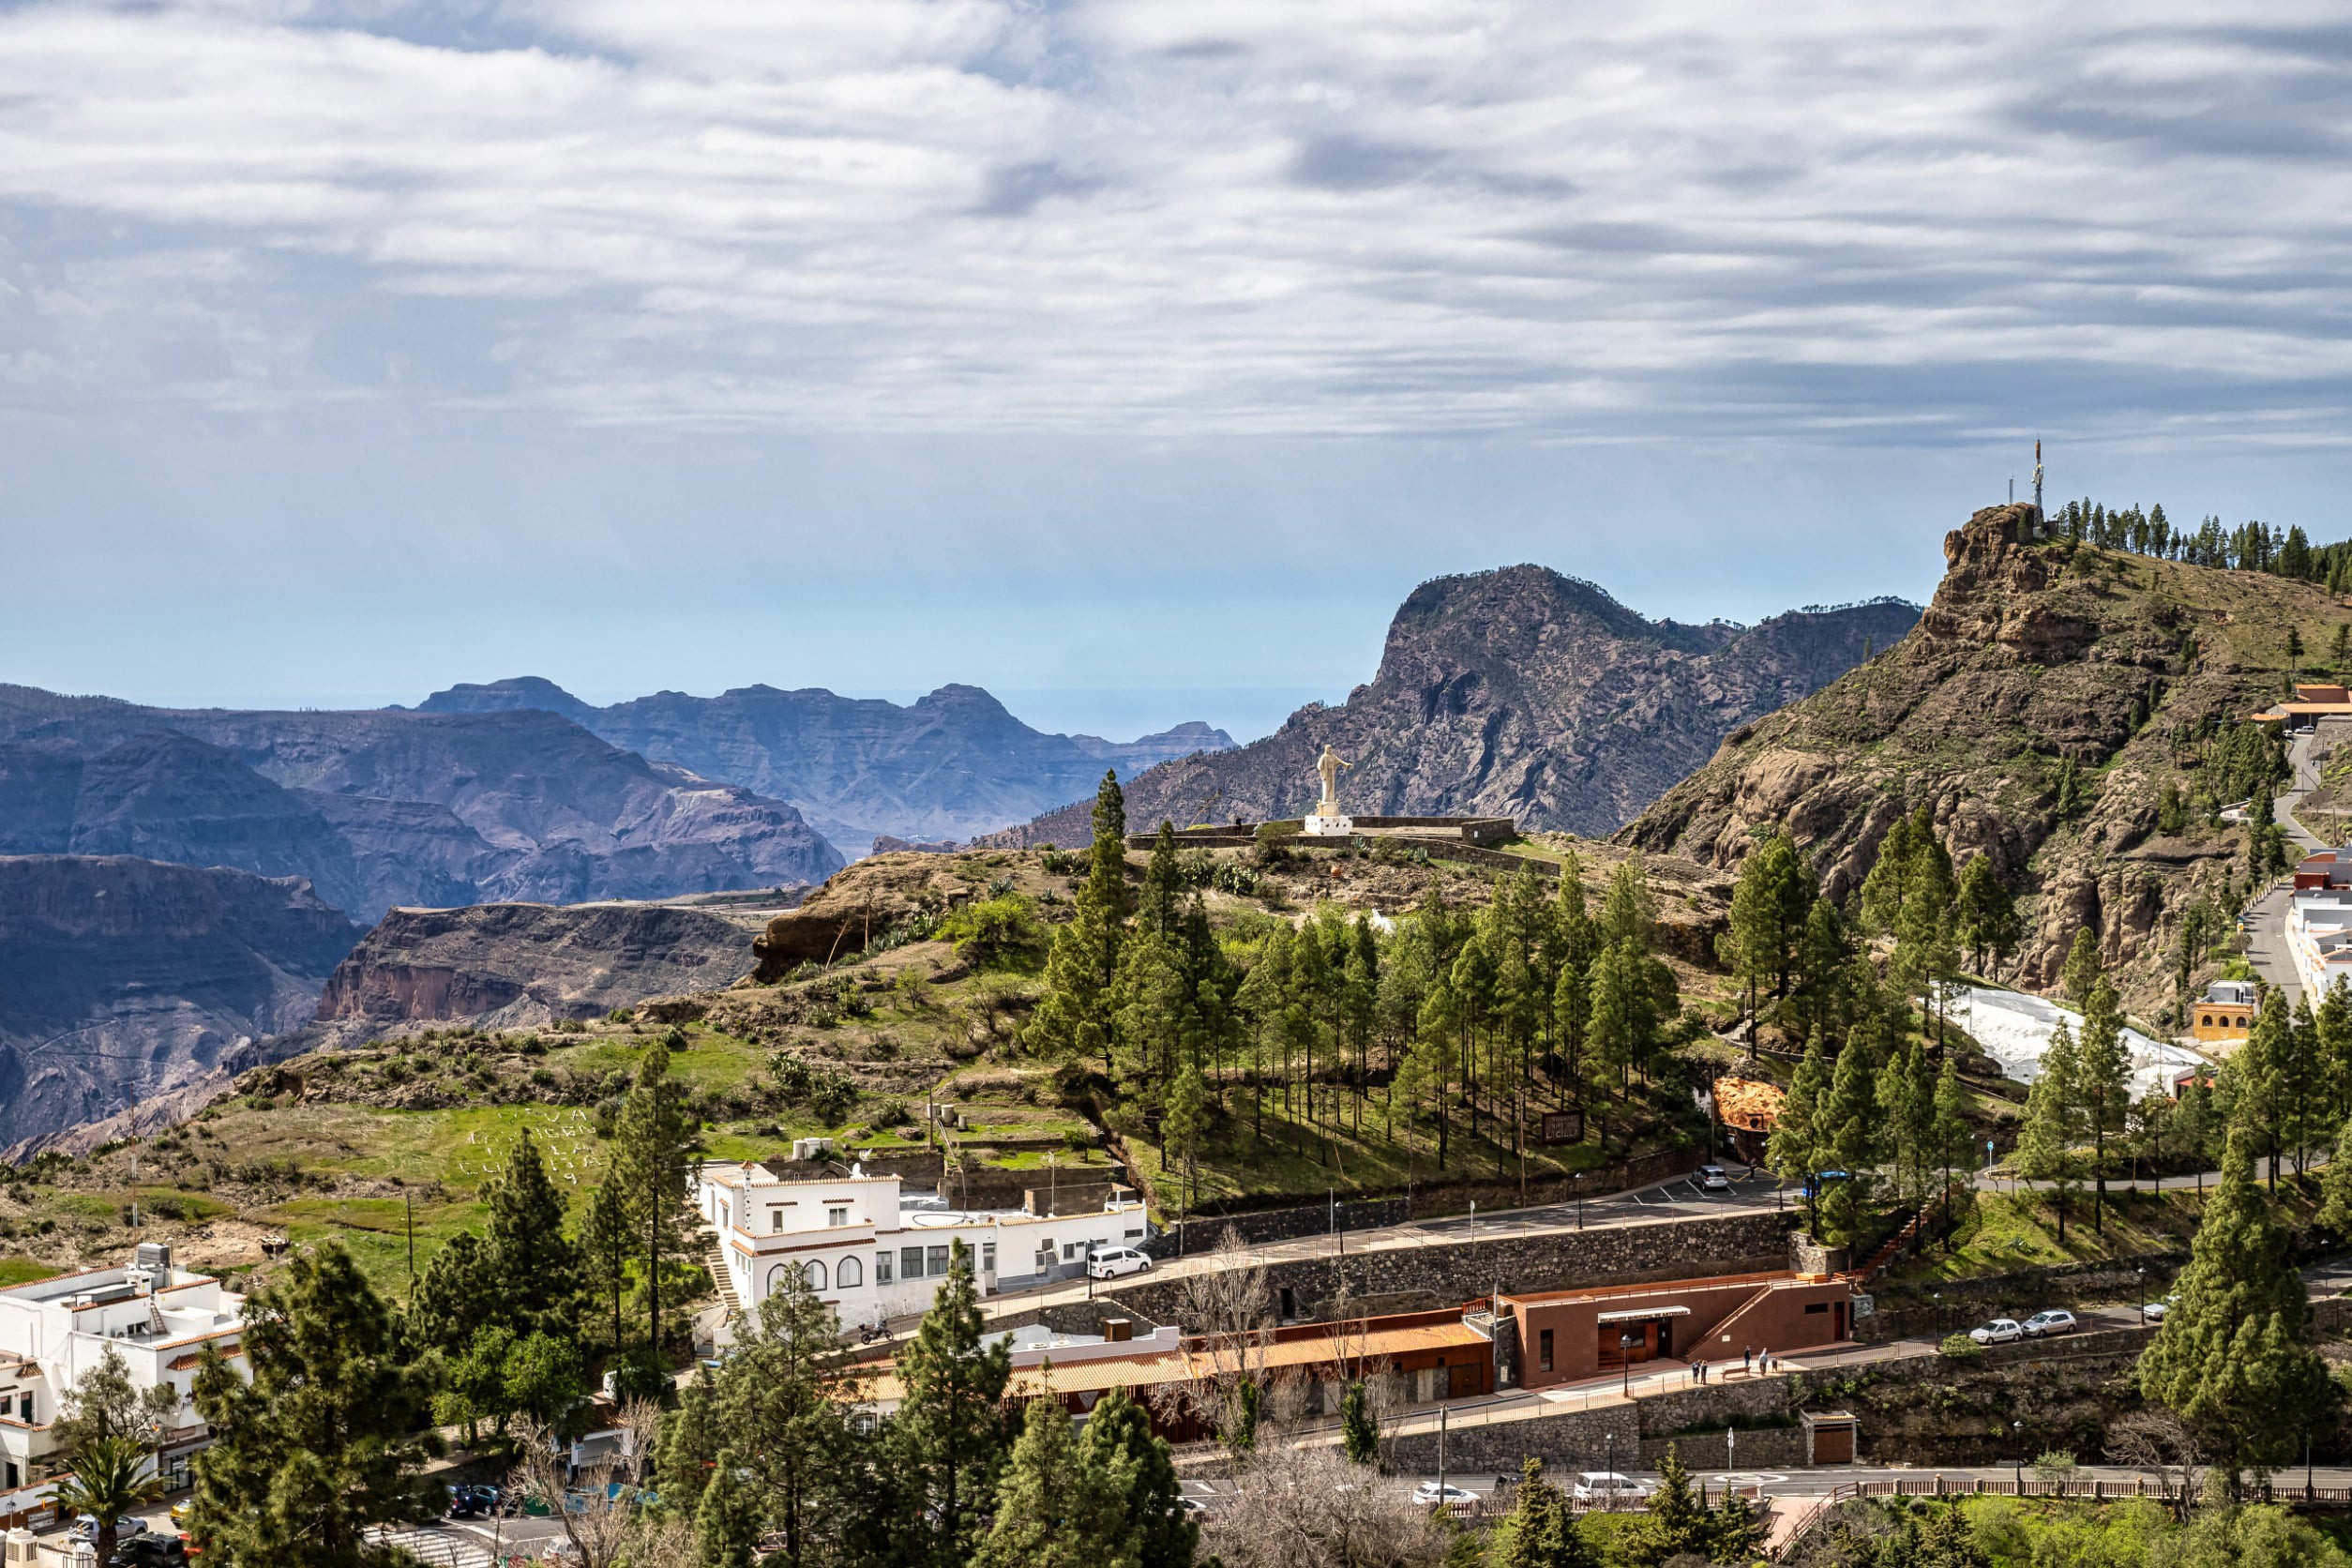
(1279, 1225)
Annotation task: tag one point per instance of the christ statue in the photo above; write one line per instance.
(1328, 766)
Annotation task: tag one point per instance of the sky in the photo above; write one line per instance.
(1132, 360)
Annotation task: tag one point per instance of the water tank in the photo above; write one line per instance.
(22, 1546)
(154, 1256)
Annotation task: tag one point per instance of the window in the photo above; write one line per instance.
(938, 1262)
(1069, 1252)
(1816, 1307)
(849, 1274)
(776, 1221)
(775, 1277)
(909, 1262)
(987, 1256)
(882, 1268)
(835, 1218)
(816, 1274)
(1135, 1235)
(1543, 1350)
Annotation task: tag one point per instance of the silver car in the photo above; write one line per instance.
(2055, 1321)
(2000, 1331)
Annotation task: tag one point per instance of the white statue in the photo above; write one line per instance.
(1328, 765)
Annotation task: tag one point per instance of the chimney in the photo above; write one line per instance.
(1119, 1331)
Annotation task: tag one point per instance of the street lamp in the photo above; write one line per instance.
(1937, 1297)
(1625, 1343)
(2141, 1276)
(2017, 1431)
(1609, 1464)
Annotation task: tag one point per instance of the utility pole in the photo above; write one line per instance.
(408, 1211)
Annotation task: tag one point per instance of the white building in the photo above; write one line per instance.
(2318, 929)
(157, 1318)
(872, 1253)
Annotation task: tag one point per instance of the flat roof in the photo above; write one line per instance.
(1656, 1287)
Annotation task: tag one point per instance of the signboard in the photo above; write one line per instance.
(1564, 1126)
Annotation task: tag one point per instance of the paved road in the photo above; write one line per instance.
(2265, 943)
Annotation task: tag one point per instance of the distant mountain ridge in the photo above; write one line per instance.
(949, 765)
(380, 808)
(1518, 692)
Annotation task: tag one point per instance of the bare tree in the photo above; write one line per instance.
(1308, 1508)
(605, 1525)
(1228, 1310)
(2154, 1440)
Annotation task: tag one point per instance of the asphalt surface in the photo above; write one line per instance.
(2265, 943)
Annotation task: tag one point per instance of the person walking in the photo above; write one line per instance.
(1747, 1358)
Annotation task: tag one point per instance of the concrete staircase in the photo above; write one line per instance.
(722, 1280)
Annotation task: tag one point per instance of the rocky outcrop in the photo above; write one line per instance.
(859, 903)
(2032, 656)
(385, 808)
(499, 966)
(945, 766)
(1519, 693)
(122, 978)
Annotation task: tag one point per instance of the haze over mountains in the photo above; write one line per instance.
(949, 765)
(1519, 693)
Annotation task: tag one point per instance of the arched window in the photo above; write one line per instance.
(815, 1271)
(2207, 1021)
(775, 1277)
(849, 1274)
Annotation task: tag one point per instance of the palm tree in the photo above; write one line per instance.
(109, 1480)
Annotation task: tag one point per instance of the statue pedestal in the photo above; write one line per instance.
(1329, 824)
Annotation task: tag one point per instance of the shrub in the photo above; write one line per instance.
(1959, 1347)
(620, 1014)
(1002, 932)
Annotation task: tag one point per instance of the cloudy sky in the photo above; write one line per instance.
(1131, 359)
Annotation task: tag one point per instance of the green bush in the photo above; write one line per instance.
(1959, 1347)
(999, 933)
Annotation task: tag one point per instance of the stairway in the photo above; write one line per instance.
(722, 1278)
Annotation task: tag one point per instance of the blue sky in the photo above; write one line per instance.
(1131, 360)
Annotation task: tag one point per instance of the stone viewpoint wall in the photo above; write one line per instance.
(1605, 1255)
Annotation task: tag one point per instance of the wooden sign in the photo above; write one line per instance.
(1564, 1126)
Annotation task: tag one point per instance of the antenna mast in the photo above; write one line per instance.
(2037, 482)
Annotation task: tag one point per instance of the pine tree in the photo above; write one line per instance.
(1074, 1014)
(688, 1448)
(2046, 1146)
(1793, 1150)
(2257, 1076)
(2335, 1187)
(532, 1268)
(950, 1421)
(2081, 972)
(1053, 1509)
(1677, 1522)
(605, 1236)
(1358, 1432)
(655, 1143)
(1954, 1143)
(1540, 1530)
(1987, 915)
(1150, 1521)
(727, 1519)
(1884, 889)
(775, 1403)
(2102, 1085)
(2233, 1358)
(1183, 1126)
(318, 1447)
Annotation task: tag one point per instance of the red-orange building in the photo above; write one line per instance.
(1565, 1335)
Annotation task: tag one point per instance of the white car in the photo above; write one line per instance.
(1111, 1261)
(1711, 1178)
(2000, 1331)
(1429, 1495)
(2155, 1312)
(1609, 1488)
(2055, 1321)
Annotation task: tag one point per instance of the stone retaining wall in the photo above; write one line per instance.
(1912, 1310)
(1466, 1270)
(1567, 1442)
(1778, 1448)
(1277, 1225)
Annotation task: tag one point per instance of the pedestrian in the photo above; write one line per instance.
(1764, 1360)
(1747, 1358)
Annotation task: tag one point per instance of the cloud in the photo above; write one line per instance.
(1324, 217)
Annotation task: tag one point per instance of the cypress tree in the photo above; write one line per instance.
(655, 1142)
(950, 1421)
(2046, 1146)
(1358, 1434)
(318, 1447)
(1054, 1507)
(2104, 1086)
(1676, 1522)
(2234, 1357)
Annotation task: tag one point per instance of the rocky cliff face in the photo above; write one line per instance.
(121, 978)
(1519, 693)
(946, 767)
(503, 966)
(2030, 657)
(386, 807)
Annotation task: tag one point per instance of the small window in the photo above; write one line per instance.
(776, 1221)
(909, 1262)
(938, 1262)
(816, 1274)
(835, 1218)
(1135, 1235)
(1069, 1252)
(1543, 1350)
(987, 1256)
(882, 1268)
(850, 1275)
(1816, 1307)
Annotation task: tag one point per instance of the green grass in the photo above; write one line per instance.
(2019, 1230)
(22, 1270)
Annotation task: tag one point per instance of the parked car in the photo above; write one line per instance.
(181, 1510)
(1194, 1508)
(1429, 1495)
(2055, 1321)
(147, 1549)
(2155, 1312)
(1711, 1178)
(1610, 1489)
(1109, 1262)
(2000, 1331)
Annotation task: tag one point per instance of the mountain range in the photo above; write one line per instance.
(949, 765)
(1521, 693)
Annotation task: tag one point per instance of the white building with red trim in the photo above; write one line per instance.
(52, 1332)
(873, 1252)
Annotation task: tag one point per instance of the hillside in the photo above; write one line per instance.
(1519, 693)
(124, 978)
(2032, 658)
(947, 765)
(379, 809)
